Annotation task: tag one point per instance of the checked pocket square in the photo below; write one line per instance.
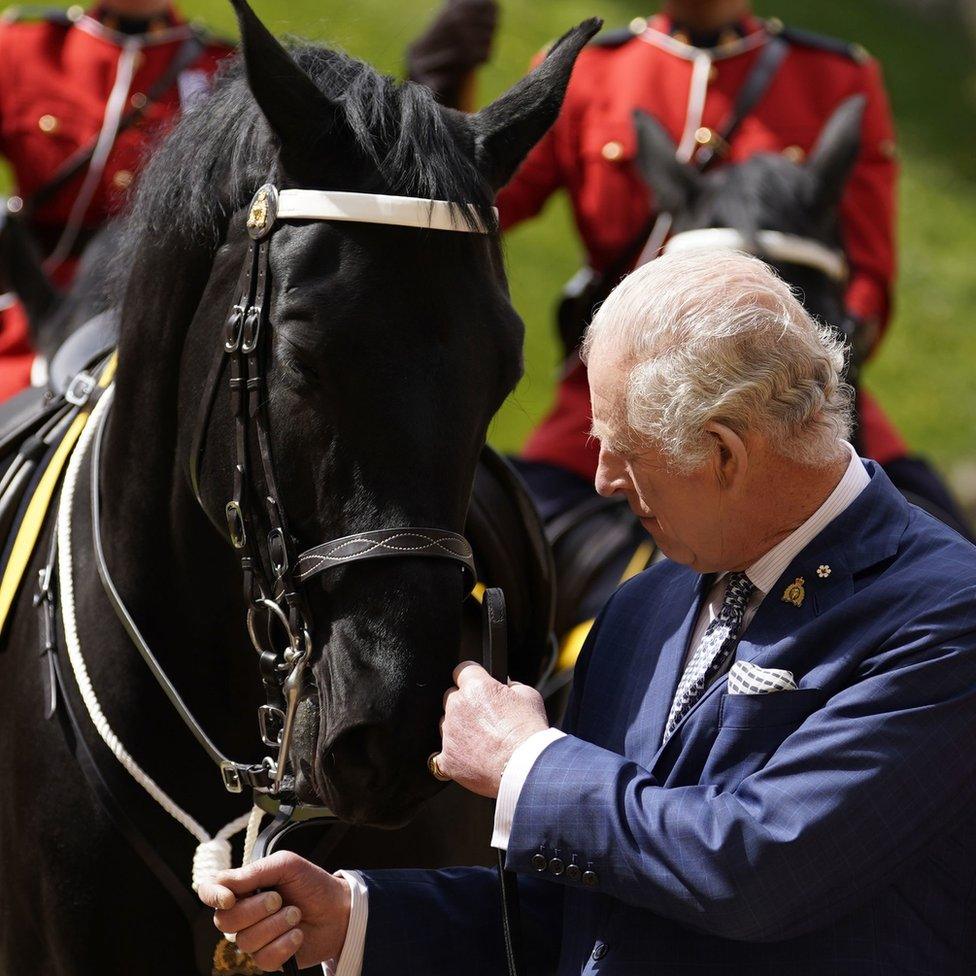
(750, 679)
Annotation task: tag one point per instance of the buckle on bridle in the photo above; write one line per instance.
(271, 722)
(235, 524)
(232, 777)
(80, 389)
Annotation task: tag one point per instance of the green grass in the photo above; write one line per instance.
(924, 374)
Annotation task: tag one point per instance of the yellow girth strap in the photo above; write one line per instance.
(37, 509)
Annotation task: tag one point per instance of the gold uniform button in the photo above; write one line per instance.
(75, 12)
(139, 100)
(122, 179)
(794, 154)
(612, 151)
(704, 136)
(774, 25)
(859, 53)
(48, 124)
(638, 25)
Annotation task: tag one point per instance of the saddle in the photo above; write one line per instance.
(38, 428)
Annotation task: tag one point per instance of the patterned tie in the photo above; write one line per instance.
(717, 645)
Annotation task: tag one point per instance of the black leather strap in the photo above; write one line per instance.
(494, 648)
(190, 50)
(387, 544)
(749, 95)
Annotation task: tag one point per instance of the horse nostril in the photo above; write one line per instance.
(359, 760)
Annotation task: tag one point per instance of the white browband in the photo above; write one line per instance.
(768, 243)
(271, 205)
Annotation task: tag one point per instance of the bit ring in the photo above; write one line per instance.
(433, 767)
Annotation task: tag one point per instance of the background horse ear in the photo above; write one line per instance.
(507, 129)
(675, 184)
(835, 153)
(297, 111)
(22, 272)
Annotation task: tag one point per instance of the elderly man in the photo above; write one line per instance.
(768, 761)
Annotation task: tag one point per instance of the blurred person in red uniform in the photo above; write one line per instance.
(82, 96)
(686, 67)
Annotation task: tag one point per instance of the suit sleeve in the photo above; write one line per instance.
(867, 212)
(449, 922)
(855, 792)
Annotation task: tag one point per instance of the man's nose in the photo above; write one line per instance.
(611, 473)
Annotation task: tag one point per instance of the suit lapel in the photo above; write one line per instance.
(671, 660)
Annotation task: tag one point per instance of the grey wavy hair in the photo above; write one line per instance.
(716, 335)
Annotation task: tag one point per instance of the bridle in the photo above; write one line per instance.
(771, 245)
(274, 575)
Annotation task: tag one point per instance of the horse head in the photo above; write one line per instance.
(390, 349)
(769, 193)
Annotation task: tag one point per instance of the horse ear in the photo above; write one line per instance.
(832, 158)
(295, 108)
(507, 129)
(674, 183)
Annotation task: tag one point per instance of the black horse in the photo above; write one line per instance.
(391, 349)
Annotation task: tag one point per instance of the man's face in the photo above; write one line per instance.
(683, 512)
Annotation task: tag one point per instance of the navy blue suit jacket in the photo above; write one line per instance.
(828, 830)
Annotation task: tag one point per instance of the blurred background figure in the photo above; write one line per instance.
(723, 86)
(82, 96)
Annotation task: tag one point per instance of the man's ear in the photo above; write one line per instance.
(730, 456)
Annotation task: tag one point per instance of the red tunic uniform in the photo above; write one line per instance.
(690, 90)
(67, 78)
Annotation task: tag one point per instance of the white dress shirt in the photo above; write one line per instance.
(763, 574)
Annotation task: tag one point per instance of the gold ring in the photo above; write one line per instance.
(433, 767)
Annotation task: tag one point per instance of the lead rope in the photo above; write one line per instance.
(213, 853)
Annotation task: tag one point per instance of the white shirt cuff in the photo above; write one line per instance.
(350, 962)
(513, 779)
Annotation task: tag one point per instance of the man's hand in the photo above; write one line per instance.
(484, 723)
(456, 42)
(306, 912)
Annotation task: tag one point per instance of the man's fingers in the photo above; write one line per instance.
(272, 957)
(265, 932)
(215, 895)
(247, 912)
(469, 671)
(269, 872)
(447, 694)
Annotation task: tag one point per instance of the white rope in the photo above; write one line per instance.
(251, 837)
(213, 854)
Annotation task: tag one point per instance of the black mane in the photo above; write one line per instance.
(222, 149)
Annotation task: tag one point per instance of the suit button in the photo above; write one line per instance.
(600, 950)
(557, 866)
(590, 879)
(539, 862)
(573, 872)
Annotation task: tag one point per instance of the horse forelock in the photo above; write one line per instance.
(222, 150)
